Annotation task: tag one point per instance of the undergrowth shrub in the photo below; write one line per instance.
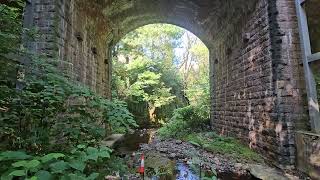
(77, 164)
(41, 108)
(52, 112)
(184, 121)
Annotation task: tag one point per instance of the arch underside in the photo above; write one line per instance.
(204, 18)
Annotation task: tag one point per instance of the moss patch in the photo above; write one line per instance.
(222, 145)
(157, 164)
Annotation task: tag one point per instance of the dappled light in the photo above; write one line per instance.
(159, 68)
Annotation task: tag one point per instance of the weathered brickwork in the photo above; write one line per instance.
(74, 32)
(257, 85)
(258, 92)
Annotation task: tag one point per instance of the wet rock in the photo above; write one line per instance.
(112, 178)
(266, 173)
(172, 155)
(238, 165)
(163, 150)
(185, 152)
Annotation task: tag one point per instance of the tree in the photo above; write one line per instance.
(148, 68)
(144, 67)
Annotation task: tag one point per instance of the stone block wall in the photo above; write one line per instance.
(75, 32)
(258, 90)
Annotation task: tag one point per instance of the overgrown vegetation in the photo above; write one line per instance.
(52, 110)
(185, 120)
(191, 123)
(47, 115)
(76, 165)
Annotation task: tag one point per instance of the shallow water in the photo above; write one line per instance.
(131, 143)
(184, 172)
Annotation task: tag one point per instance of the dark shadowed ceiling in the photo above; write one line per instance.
(205, 18)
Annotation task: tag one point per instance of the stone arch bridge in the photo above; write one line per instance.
(258, 86)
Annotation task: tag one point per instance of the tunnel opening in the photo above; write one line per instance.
(159, 68)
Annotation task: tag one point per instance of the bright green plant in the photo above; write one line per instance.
(144, 73)
(10, 27)
(76, 165)
(184, 121)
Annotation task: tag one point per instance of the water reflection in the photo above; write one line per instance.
(184, 172)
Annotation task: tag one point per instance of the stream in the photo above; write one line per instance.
(130, 144)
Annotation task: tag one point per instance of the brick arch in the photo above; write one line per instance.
(200, 17)
(151, 21)
(257, 85)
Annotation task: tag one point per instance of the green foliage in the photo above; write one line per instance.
(222, 145)
(78, 164)
(119, 116)
(49, 112)
(184, 121)
(144, 71)
(10, 27)
(51, 109)
(165, 69)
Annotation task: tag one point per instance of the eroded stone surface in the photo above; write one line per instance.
(266, 173)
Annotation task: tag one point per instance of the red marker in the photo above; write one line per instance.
(141, 168)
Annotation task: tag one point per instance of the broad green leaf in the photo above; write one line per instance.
(78, 165)
(32, 164)
(93, 157)
(18, 173)
(43, 175)
(14, 155)
(105, 149)
(76, 177)
(51, 156)
(93, 176)
(33, 178)
(59, 167)
(92, 150)
(19, 164)
(93, 153)
(81, 146)
(105, 152)
(82, 156)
